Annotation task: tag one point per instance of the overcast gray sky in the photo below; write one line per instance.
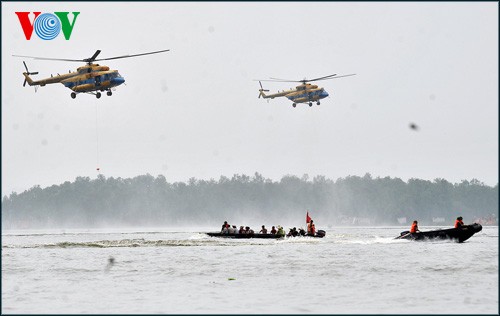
(194, 111)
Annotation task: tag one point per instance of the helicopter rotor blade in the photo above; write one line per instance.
(321, 78)
(261, 89)
(27, 73)
(135, 55)
(343, 76)
(44, 58)
(339, 76)
(283, 80)
(334, 76)
(277, 80)
(91, 59)
(303, 80)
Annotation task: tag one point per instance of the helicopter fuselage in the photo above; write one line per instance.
(87, 78)
(303, 93)
(94, 81)
(306, 93)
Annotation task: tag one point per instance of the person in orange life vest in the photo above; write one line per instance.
(311, 229)
(459, 223)
(414, 228)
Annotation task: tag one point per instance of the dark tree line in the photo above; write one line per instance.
(146, 200)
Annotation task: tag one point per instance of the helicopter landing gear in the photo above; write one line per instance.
(317, 103)
(109, 93)
(294, 105)
(73, 95)
(310, 104)
(98, 95)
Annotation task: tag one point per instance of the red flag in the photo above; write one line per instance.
(308, 219)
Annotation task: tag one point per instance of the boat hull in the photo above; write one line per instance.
(457, 234)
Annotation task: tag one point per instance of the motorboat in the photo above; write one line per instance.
(319, 234)
(460, 234)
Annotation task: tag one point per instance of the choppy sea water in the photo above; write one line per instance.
(351, 270)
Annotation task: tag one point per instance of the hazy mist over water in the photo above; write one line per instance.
(248, 200)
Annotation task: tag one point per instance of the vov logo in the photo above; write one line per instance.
(47, 25)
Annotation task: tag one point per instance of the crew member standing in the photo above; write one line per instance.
(311, 229)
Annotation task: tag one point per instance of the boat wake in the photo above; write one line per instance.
(192, 240)
(126, 243)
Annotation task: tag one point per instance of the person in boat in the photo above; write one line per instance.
(249, 231)
(459, 222)
(302, 232)
(273, 230)
(224, 226)
(280, 232)
(414, 228)
(230, 229)
(293, 232)
(263, 230)
(242, 230)
(311, 228)
(235, 230)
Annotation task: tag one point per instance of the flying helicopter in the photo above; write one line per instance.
(90, 78)
(303, 93)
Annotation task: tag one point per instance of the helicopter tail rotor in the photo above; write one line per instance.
(261, 90)
(27, 74)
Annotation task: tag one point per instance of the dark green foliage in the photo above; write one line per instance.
(149, 201)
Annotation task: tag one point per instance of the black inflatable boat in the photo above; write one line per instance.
(459, 234)
(319, 234)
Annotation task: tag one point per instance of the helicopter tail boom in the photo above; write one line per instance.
(27, 74)
(261, 91)
(28, 80)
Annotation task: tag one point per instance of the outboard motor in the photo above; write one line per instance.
(320, 233)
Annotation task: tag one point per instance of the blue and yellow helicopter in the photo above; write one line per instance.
(304, 93)
(91, 78)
